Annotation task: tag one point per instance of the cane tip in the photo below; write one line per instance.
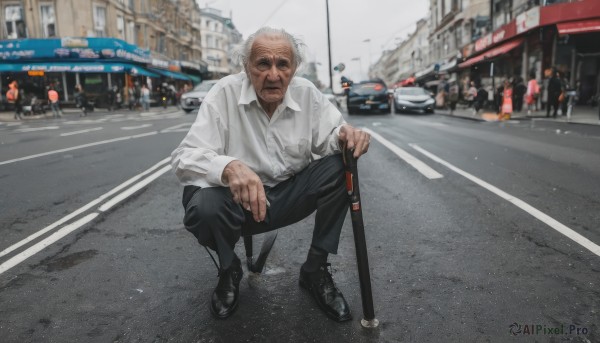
(369, 324)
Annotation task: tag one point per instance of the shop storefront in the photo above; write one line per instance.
(98, 64)
(563, 36)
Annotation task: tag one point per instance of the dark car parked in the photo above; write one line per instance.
(368, 96)
(413, 99)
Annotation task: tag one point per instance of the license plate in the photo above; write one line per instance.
(365, 107)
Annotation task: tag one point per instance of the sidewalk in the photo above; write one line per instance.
(581, 115)
(9, 116)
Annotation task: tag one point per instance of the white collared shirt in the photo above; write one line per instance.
(231, 125)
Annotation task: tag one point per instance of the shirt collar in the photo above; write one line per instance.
(248, 95)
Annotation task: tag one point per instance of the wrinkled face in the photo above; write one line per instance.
(271, 68)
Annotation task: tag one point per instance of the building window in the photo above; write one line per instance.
(160, 42)
(100, 21)
(120, 27)
(130, 32)
(48, 20)
(15, 23)
(447, 7)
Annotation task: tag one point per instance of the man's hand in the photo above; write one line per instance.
(246, 188)
(355, 138)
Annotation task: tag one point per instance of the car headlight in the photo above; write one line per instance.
(429, 102)
(404, 102)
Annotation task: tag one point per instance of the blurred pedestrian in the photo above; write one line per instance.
(14, 96)
(132, 99)
(499, 98)
(110, 98)
(53, 100)
(471, 94)
(519, 94)
(554, 91)
(545, 81)
(533, 93)
(145, 97)
(453, 93)
(480, 99)
(507, 102)
(118, 97)
(81, 100)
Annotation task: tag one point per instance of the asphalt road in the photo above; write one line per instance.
(492, 238)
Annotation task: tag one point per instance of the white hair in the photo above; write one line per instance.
(296, 44)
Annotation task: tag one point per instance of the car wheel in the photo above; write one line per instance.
(187, 110)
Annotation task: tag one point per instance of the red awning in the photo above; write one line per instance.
(582, 26)
(499, 50)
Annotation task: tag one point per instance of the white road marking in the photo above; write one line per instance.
(80, 131)
(145, 134)
(423, 168)
(31, 129)
(82, 221)
(83, 208)
(553, 223)
(135, 127)
(46, 242)
(185, 127)
(77, 147)
(126, 194)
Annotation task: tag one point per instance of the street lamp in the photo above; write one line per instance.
(329, 47)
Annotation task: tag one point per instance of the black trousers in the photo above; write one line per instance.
(552, 102)
(218, 222)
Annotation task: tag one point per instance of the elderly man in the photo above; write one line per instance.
(264, 153)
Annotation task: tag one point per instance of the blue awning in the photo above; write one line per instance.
(195, 79)
(135, 70)
(85, 67)
(170, 74)
(72, 48)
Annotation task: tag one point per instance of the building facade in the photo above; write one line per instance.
(99, 44)
(453, 24)
(220, 40)
(397, 65)
(531, 38)
(490, 41)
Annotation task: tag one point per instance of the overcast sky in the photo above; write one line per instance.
(384, 22)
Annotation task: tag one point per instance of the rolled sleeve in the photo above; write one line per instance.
(215, 171)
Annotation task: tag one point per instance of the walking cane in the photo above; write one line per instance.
(362, 260)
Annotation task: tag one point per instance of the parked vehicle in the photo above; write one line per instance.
(193, 99)
(368, 96)
(413, 99)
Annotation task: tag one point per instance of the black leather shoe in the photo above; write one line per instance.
(329, 298)
(225, 296)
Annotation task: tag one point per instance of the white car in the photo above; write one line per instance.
(193, 99)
